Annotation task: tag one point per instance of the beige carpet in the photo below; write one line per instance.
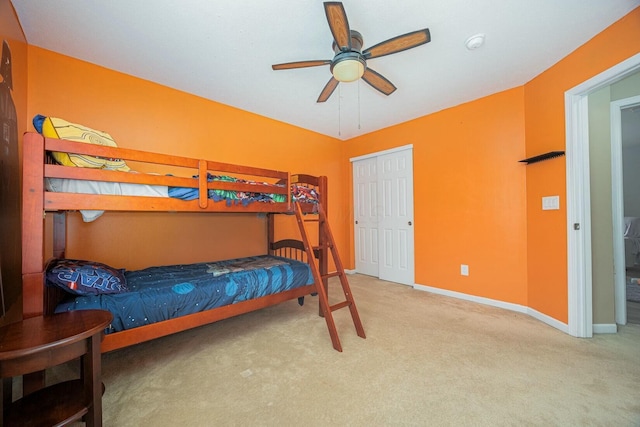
(428, 360)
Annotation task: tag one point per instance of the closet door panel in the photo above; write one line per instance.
(396, 176)
(383, 215)
(365, 176)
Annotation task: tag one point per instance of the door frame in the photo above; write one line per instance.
(579, 280)
(617, 193)
(377, 154)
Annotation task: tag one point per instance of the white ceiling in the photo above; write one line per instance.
(223, 51)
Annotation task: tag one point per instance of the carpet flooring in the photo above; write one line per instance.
(428, 360)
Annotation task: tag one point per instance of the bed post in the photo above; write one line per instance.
(270, 233)
(59, 234)
(32, 225)
(324, 251)
(323, 261)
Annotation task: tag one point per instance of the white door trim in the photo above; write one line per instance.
(617, 193)
(382, 153)
(580, 319)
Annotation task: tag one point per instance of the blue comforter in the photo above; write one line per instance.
(161, 293)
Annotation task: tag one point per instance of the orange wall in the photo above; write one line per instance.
(147, 116)
(469, 194)
(545, 131)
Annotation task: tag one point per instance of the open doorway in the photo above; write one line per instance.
(625, 148)
(580, 290)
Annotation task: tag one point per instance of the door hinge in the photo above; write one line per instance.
(576, 226)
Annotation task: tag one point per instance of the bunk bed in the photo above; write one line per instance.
(206, 186)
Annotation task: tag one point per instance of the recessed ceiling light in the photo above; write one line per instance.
(474, 41)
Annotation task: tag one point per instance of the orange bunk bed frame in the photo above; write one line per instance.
(39, 299)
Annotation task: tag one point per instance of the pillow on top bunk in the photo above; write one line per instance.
(86, 277)
(53, 127)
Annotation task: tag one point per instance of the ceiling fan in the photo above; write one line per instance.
(350, 61)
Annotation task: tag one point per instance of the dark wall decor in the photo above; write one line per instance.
(10, 248)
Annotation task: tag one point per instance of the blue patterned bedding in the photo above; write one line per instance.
(160, 293)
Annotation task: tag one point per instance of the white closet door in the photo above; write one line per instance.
(383, 215)
(396, 217)
(365, 190)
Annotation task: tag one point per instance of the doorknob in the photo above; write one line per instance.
(409, 222)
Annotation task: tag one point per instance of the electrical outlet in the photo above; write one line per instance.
(464, 270)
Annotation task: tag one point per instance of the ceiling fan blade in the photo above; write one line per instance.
(398, 44)
(378, 82)
(338, 23)
(300, 64)
(331, 85)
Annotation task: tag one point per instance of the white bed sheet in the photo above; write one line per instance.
(100, 187)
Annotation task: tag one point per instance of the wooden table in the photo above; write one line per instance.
(37, 343)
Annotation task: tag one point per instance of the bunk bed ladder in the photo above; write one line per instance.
(326, 238)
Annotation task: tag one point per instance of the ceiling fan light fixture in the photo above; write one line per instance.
(350, 61)
(348, 67)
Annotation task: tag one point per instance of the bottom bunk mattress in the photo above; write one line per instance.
(154, 294)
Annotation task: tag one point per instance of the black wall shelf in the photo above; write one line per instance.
(541, 157)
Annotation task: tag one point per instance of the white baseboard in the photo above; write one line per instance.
(544, 318)
(482, 300)
(500, 304)
(350, 271)
(605, 328)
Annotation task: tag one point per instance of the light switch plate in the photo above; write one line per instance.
(464, 270)
(550, 203)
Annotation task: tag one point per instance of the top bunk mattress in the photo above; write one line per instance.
(161, 293)
(299, 193)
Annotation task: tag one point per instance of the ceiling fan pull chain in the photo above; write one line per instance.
(339, 111)
(358, 104)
